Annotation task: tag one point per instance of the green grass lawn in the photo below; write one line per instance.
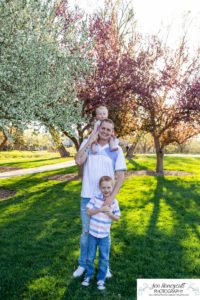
(158, 235)
(30, 159)
(172, 163)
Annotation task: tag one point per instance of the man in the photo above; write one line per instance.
(103, 163)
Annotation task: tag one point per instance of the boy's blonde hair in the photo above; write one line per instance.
(105, 178)
(101, 107)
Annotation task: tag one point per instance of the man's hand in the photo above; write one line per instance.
(108, 201)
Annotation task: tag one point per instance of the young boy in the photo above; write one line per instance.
(99, 231)
(102, 114)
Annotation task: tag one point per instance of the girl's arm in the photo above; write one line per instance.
(96, 125)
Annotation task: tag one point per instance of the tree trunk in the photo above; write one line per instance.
(181, 148)
(79, 139)
(4, 140)
(130, 151)
(63, 152)
(57, 140)
(159, 156)
(73, 139)
(18, 136)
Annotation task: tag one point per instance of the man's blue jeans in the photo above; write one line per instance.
(84, 236)
(103, 245)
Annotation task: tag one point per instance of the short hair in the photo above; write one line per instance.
(107, 121)
(101, 107)
(105, 178)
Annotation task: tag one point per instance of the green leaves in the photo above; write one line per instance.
(38, 68)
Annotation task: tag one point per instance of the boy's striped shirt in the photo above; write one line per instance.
(100, 223)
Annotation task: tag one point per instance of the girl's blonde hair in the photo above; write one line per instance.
(100, 107)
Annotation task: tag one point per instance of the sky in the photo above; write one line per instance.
(152, 15)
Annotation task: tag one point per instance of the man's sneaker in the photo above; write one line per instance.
(79, 271)
(108, 273)
(86, 281)
(100, 285)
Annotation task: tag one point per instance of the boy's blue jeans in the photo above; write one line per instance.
(103, 245)
(84, 236)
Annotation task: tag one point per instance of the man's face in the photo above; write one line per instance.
(105, 131)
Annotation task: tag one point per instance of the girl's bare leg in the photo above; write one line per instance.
(94, 148)
(113, 143)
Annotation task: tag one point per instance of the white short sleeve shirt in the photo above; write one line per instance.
(103, 163)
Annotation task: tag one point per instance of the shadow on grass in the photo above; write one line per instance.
(26, 181)
(136, 165)
(40, 240)
(157, 253)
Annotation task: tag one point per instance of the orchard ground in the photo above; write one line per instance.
(157, 236)
(14, 160)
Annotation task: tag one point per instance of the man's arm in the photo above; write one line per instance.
(92, 212)
(82, 154)
(117, 186)
(112, 216)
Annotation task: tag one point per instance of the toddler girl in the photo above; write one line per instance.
(102, 114)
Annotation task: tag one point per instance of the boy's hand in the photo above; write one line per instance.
(105, 208)
(108, 213)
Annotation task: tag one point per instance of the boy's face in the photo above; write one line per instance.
(106, 188)
(101, 114)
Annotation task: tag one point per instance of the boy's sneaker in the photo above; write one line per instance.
(108, 273)
(79, 271)
(101, 285)
(86, 281)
